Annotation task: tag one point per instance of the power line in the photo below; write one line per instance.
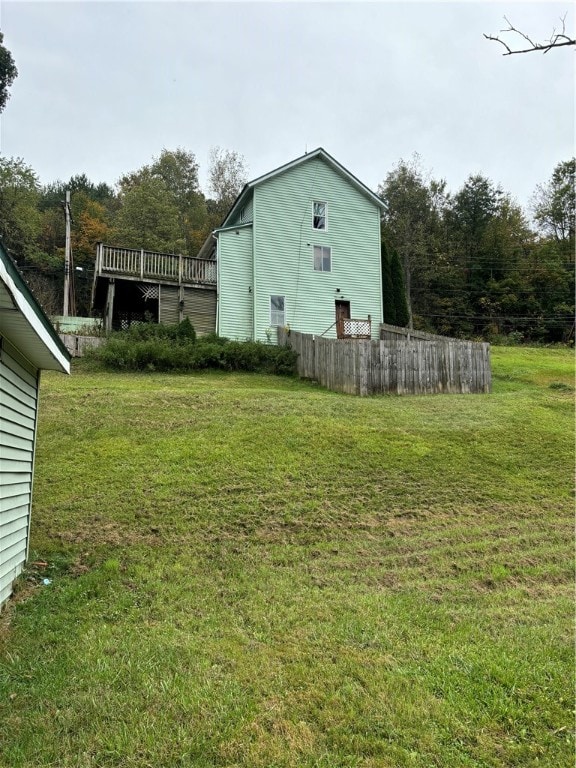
(495, 267)
(532, 318)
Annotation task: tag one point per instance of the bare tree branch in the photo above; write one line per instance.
(557, 39)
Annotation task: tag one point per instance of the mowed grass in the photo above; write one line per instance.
(253, 571)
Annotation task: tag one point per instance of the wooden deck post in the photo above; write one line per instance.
(180, 303)
(109, 305)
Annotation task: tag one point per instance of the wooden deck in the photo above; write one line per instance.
(138, 264)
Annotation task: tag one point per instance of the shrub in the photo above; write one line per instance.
(213, 338)
(185, 331)
(155, 347)
(147, 331)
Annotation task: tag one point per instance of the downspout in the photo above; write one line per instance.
(379, 250)
(217, 329)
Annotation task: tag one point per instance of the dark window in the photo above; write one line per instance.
(277, 310)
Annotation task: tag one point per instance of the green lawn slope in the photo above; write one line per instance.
(252, 571)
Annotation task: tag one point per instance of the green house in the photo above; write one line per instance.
(28, 344)
(300, 247)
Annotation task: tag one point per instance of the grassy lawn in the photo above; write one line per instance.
(251, 571)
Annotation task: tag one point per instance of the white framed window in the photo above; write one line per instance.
(319, 218)
(322, 258)
(277, 311)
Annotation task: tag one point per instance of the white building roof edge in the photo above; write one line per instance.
(33, 320)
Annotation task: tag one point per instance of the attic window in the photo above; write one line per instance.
(319, 216)
(243, 215)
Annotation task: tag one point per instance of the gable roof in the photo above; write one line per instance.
(317, 153)
(24, 323)
(248, 188)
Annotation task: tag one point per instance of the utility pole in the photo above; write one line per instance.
(67, 255)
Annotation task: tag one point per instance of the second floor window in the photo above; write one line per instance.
(322, 258)
(319, 216)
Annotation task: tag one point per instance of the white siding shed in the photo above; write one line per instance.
(28, 344)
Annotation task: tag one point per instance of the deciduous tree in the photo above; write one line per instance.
(558, 39)
(226, 176)
(177, 173)
(410, 220)
(20, 219)
(554, 204)
(149, 218)
(8, 73)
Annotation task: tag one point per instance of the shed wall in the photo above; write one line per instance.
(199, 307)
(168, 309)
(18, 411)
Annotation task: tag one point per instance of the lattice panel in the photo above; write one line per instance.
(126, 319)
(357, 328)
(149, 291)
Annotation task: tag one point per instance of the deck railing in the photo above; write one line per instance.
(150, 265)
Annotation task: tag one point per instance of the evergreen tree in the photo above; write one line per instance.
(400, 303)
(388, 303)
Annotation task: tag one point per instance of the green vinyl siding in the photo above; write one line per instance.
(235, 284)
(247, 208)
(18, 407)
(284, 240)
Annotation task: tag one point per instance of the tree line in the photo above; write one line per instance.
(159, 207)
(473, 264)
(467, 263)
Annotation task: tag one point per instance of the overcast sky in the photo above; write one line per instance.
(104, 86)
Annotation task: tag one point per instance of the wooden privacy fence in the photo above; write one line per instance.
(77, 344)
(418, 366)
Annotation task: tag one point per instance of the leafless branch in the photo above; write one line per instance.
(557, 39)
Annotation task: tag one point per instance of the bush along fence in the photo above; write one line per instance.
(400, 366)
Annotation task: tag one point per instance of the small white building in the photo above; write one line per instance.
(28, 344)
